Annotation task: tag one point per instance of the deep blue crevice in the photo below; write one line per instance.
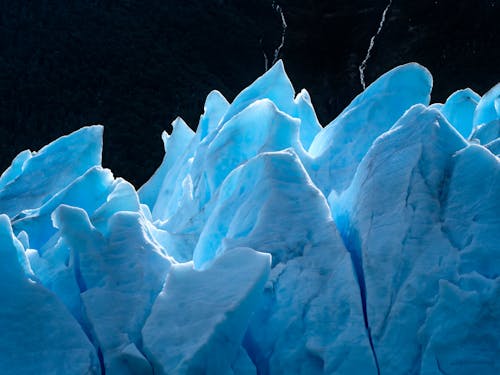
(101, 361)
(350, 237)
(255, 354)
(260, 354)
(84, 322)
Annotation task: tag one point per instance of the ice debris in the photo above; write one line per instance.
(264, 243)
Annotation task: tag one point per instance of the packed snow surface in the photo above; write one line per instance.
(264, 243)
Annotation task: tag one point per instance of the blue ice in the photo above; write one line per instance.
(264, 243)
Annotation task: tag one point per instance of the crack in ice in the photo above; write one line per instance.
(362, 67)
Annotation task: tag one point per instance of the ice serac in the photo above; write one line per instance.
(172, 188)
(309, 124)
(494, 147)
(461, 330)
(39, 335)
(55, 268)
(120, 273)
(230, 260)
(176, 185)
(258, 120)
(341, 145)
(396, 218)
(274, 85)
(459, 110)
(15, 169)
(470, 215)
(179, 210)
(215, 108)
(199, 319)
(270, 204)
(488, 108)
(87, 192)
(470, 221)
(269, 185)
(486, 133)
(51, 169)
(259, 128)
(53, 262)
(487, 121)
(174, 146)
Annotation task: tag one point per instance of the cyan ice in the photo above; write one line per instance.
(270, 204)
(341, 145)
(494, 147)
(166, 194)
(471, 213)
(38, 223)
(463, 323)
(414, 215)
(15, 168)
(174, 146)
(274, 86)
(216, 304)
(486, 133)
(38, 334)
(459, 110)
(264, 244)
(215, 108)
(487, 121)
(120, 273)
(488, 108)
(216, 156)
(239, 140)
(34, 179)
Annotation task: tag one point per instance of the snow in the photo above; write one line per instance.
(264, 243)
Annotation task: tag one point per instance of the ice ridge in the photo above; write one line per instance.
(264, 243)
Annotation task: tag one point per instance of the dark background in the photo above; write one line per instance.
(133, 66)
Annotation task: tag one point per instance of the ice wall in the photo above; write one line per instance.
(264, 243)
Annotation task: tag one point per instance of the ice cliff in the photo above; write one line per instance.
(264, 243)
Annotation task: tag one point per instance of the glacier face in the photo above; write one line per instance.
(264, 243)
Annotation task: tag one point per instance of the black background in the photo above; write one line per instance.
(133, 66)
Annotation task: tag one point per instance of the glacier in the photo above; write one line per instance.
(264, 243)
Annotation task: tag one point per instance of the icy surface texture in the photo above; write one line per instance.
(342, 144)
(264, 243)
(39, 335)
(224, 297)
(53, 167)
